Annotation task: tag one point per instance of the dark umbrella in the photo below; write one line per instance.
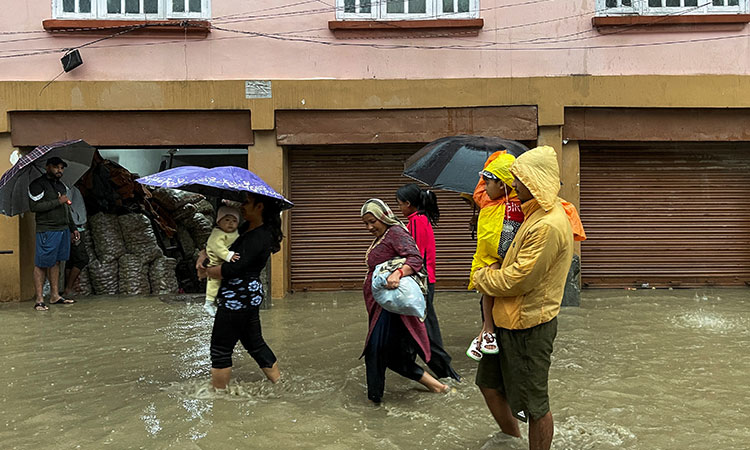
(452, 163)
(14, 184)
(229, 182)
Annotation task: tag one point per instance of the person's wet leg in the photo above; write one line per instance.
(71, 276)
(54, 283)
(375, 363)
(272, 373)
(401, 358)
(223, 340)
(540, 432)
(251, 337)
(440, 362)
(500, 410)
(39, 275)
(220, 377)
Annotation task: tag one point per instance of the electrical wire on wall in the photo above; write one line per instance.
(535, 44)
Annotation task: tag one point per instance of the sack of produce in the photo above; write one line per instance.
(184, 212)
(133, 275)
(206, 208)
(103, 277)
(139, 237)
(185, 240)
(105, 232)
(172, 199)
(162, 276)
(84, 283)
(200, 228)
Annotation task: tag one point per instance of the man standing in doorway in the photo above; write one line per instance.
(48, 199)
(528, 290)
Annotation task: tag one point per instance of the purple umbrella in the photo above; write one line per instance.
(14, 184)
(227, 182)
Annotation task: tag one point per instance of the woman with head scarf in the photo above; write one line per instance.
(393, 340)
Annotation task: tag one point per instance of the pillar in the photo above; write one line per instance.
(568, 161)
(17, 236)
(268, 161)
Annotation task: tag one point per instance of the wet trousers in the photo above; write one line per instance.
(390, 347)
(440, 362)
(244, 326)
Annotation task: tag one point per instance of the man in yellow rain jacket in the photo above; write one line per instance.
(528, 289)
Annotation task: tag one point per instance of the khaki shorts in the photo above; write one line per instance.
(521, 370)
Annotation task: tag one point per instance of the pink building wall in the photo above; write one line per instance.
(222, 55)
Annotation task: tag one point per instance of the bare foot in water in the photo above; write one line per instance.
(272, 373)
(433, 385)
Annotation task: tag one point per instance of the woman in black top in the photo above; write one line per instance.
(241, 292)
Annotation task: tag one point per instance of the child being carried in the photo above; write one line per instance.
(500, 217)
(217, 249)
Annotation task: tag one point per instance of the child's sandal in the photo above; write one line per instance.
(473, 351)
(489, 344)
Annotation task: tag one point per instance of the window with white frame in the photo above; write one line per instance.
(670, 7)
(131, 9)
(406, 9)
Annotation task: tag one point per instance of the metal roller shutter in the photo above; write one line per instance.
(670, 216)
(328, 240)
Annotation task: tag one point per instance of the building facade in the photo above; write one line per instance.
(646, 105)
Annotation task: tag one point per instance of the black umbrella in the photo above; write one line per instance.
(452, 163)
(14, 184)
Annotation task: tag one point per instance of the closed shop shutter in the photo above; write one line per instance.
(328, 239)
(668, 216)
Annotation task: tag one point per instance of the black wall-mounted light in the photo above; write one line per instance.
(71, 60)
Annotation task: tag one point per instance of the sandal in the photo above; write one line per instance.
(40, 306)
(473, 351)
(63, 301)
(489, 344)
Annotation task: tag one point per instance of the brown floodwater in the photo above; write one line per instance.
(647, 369)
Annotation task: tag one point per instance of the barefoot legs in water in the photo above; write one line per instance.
(500, 410)
(541, 432)
(272, 373)
(432, 384)
(220, 377)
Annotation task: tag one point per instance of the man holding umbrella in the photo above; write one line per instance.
(48, 199)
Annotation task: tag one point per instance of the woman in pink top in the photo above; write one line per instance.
(420, 207)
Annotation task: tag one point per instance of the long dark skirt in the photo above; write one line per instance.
(390, 347)
(440, 362)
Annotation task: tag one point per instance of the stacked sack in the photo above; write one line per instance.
(133, 275)
(108, 247)
(84, 283)
(162, 276)
(140, 242)
(123, 252)
(84, 279)
(193, 215)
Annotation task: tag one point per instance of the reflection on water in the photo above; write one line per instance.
(649, 369)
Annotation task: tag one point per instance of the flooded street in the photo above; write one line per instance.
(647, 369)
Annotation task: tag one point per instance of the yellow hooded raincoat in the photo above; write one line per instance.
(528, 287)
(492, 213)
